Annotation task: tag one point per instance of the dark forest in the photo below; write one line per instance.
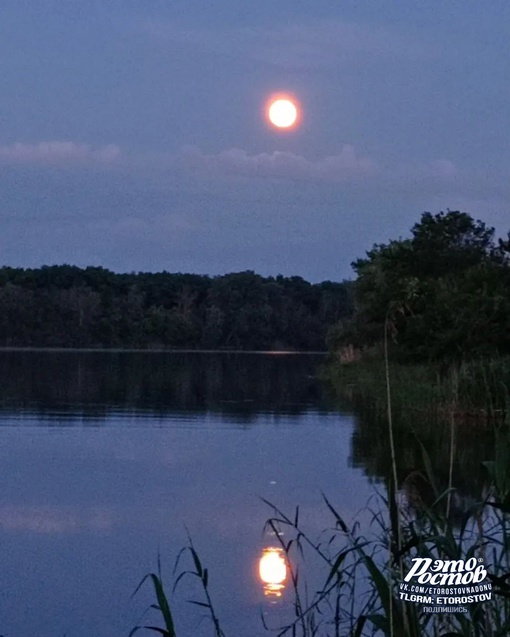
(67, 306)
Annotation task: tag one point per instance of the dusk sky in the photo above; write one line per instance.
(132, 133)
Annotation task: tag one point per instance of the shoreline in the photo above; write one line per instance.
(161, 350)
(473, 391)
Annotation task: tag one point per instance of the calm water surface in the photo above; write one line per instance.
(107, 457)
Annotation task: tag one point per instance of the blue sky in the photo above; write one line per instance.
(132, 134)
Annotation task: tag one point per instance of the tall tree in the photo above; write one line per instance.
(445, 291)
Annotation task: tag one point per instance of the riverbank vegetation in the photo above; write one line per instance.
(67, 306)
(438, 304)
(477, 389)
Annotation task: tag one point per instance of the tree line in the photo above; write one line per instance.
(441, 295)
(68, 306)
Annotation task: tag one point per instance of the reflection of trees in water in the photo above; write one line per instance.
(416, 436)
(94, 383)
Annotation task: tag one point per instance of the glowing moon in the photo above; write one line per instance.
(283, 112)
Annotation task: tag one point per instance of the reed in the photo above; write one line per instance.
(478, 389)
(162, 604)
(358, 595)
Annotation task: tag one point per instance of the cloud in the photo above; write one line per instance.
(58, 153)
(198, 211)
(349, 168)
(443, 178)
(318, 43)
(54, 520)
(192, 168)
(347, 165)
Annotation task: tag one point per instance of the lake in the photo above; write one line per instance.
(108, 458)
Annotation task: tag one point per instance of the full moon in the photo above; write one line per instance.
(282, 113)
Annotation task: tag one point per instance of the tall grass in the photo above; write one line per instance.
(162, 604)
(478, 389)
(358, 595)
